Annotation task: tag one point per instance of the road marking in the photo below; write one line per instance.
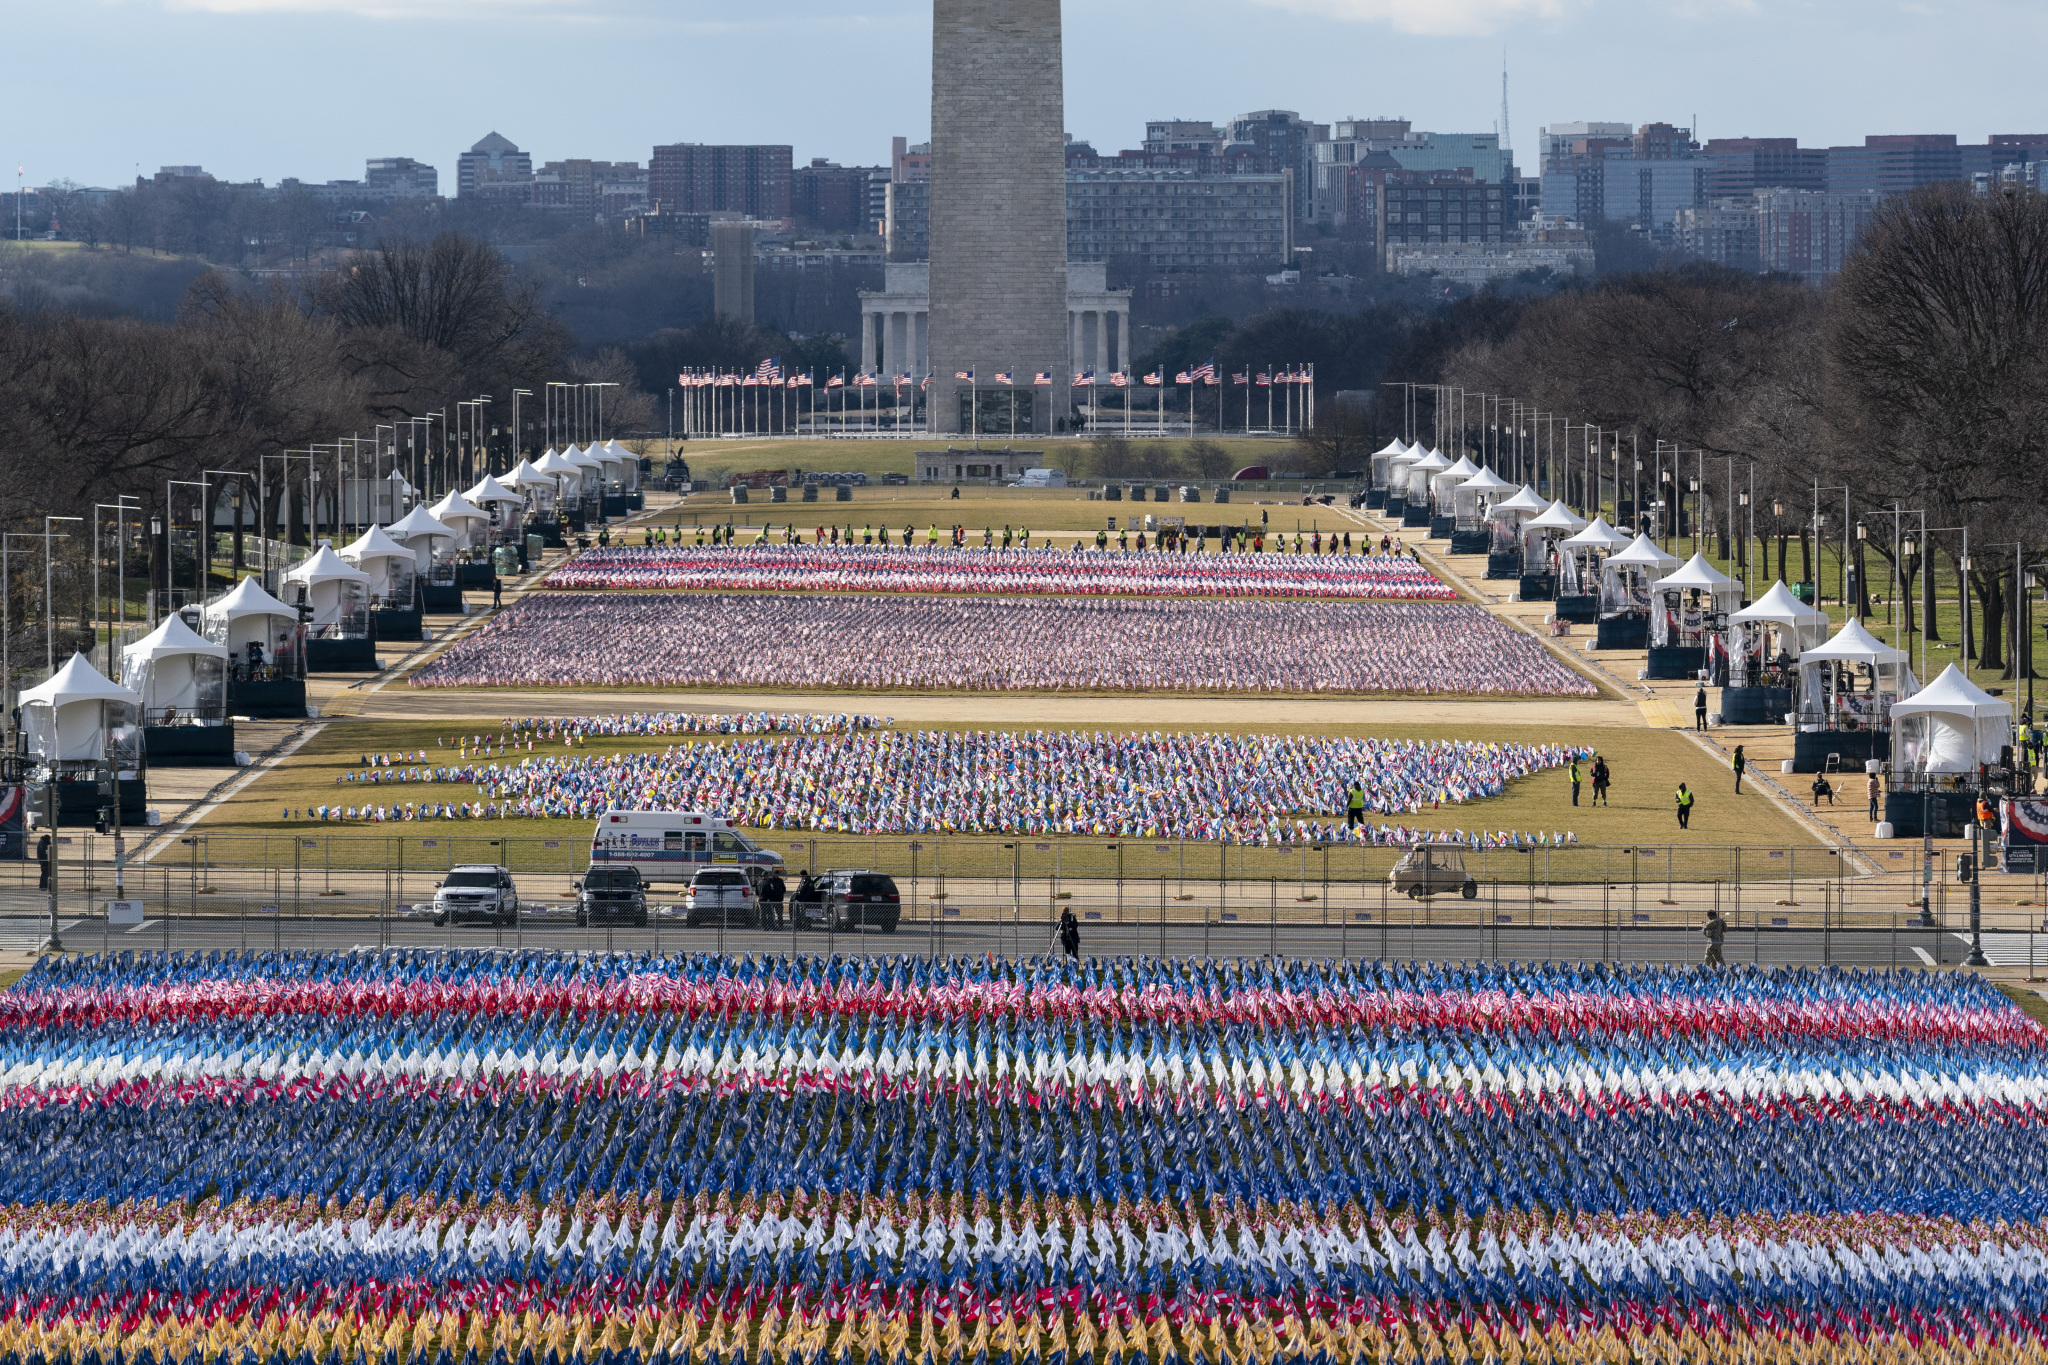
(255, 771)
(1923, 954)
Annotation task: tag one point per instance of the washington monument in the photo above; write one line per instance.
(998, 213)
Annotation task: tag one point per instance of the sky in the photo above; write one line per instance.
(101, 89)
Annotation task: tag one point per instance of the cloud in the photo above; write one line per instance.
(1432, 18)
(396, 9)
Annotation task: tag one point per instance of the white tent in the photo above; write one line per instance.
(1475, 498)
(1444, 483)
(1419, 475)
(1626, 576)
(1382, 461)
(488, 490)
(538, 487)
(337, 591)
(595, 479)
(1799, 626)
(1851, 644)
(418, 530)
(390, 566)
(1398, 467)
(173, 666)
(472, 524)
(1579, 554)
(249, 616)
(1829, 674)
(1688, 600)
(554, 463)
(1539, 532)
(78, 715)
(1949, 727)
(623, 464)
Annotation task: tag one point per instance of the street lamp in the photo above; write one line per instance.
(120, 508)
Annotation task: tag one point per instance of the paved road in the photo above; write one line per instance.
(1772, 947)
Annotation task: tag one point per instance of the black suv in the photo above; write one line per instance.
(848, 899)
(611, 895)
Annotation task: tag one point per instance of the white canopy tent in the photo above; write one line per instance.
(1688, 602)
(1475, 498)
(1852, 681)
(536, 486)
(338, 593)
(79, 717)
(1626, 576)
(470, 523)
(1795, 626)
(180, 676)
(1507, 515)
(1398, 467)
(1443, 486)
(390, 566)
(488, 491)
(623, 461)
(553, 462)
(595, 479)
(249, 618)
(1419, 475)
(417, 531)
(1545, 529)
(1580, 554)
(1382, 461)
(1949, 728)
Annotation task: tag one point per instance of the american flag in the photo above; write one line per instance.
(864, 381)
(1204, 373)
(837, 381)
(1120, 379)
(925, 383)
(1241, 378)
(967, 375)
(771, 368)
(1042, 378)
(1085, 380)
(726, 381)
(901, 380)
(1184, 377)
(1264, 380)
(1156, 378)
(1004, 377)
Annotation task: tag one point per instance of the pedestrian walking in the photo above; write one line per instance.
(1354, 805)
(43, 856)
(1716, 929)
(497, 592)
(1685, 800)
(1575, 779)
(1603, 778)
(1699, 708)
(1873, 787)
(1070, 933)
(1740, 764)
(773, 889)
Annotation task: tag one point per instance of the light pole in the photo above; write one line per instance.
(519, 432)
(50, 602)
(119, 507)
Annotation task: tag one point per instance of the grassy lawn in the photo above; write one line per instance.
(10, 975)
(2029, 1002)
(248, 829)
(1041, 509)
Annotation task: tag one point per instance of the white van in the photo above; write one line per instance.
(1043, 478)
(670, 845)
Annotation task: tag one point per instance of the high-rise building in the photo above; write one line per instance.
(399, 177)
(732, 270)
(1198, 136)
(1744, 165)
(827, 195)
(492, 158)
(1809, 234)
(1288, 142)
(998, 215)
(1724, 232)
(1421, 207)
(693, 177)
(1176, 220)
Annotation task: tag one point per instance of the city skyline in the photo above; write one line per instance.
(1810, 74)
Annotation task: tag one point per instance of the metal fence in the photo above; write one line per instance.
(1003, 896)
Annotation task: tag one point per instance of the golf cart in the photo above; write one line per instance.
(1434, 870)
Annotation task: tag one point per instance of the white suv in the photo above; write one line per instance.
(478, 893)
(722, 895)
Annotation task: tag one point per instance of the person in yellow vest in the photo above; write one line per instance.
(1685, 800)
(1576, 776)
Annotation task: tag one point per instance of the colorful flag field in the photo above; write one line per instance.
(967, 643)
(942, 569)
(491, 1158)
(1245, 789)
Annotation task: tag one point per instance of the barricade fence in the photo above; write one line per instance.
(1572, 928)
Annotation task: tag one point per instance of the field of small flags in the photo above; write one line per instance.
(455, 1158)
